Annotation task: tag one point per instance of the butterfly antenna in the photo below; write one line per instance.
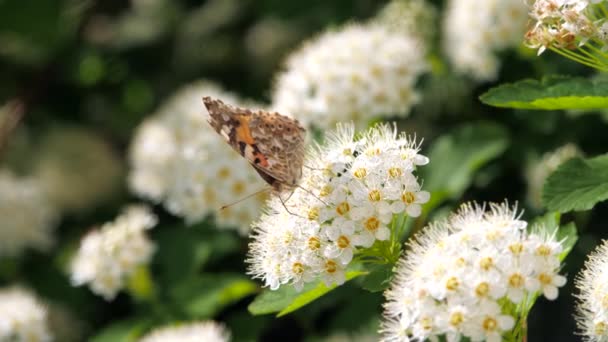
(287, 209)
(265, 189)
(310, 193)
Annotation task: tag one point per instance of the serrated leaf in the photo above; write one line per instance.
(577, 184)
(551, 93)
(456, 156)
(286, 299)
(205, 295)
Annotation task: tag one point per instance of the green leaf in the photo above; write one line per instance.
(568, 235)
(379, 278)
(551, 93)
(548, 222)
(286, 299)
(577, 184)
(204, 296)
(456, 156)
(123, 331)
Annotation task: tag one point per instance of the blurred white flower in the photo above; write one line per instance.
(475, 31)
(77, 169)
(178, 159)
(351, 188)
(109, 255)
(457, 273)
(412, 17)
(592, 297)
(538, 171)
(357, 73)
(23, 317)
(28, 217)
(206, 331)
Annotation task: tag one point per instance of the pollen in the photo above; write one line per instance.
(600, 328)
(343, 208)
(482, 290)
(545, 279)
(331, 266)
(489, 324)
(408, 197)
(238, 188)
(325, 191)
(516, 280)
(314, 243)
(372, 224)
(452, 284)
(297, 268)
(343, 242)
(313, 214)
(516, 248)
(374, 195)
(360, 173)
(395, 172)
(543, 250)
(456, 319)
(486, 263)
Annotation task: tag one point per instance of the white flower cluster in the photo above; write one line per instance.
(537, 173)
(23, 318)
(458, 272)
(351, 188)
(357, 73)
(109, 255)
(565, 24)
(592, 298)
(207, 331)
(474, 31)
(28, 217)
(178, 159)
(413, 17)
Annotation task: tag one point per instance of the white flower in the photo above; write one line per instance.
(457, 271)
(28, 217)
(411, 17)
(178, 159)
(109, 255)
(474, 31)
(77, 169)
(205, 331)
(357, 73)
(538, 171)
(592, 297)
(23, 317)
(564, 24)
(350, 190)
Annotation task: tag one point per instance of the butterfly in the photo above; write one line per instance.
(272, 143)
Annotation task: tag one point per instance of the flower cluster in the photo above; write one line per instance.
(207, 331)
(357, 73)
(537, 173)
(23, 317)
(28, 217)
(458, 273)
(178, 159)
(350, 190)
(412, 17)
(109, 255)
(592, 303)
(475, 30)
(566, 24)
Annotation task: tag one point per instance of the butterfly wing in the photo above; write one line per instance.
(271, 142)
